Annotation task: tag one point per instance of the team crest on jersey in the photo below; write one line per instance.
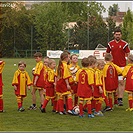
(120, 46)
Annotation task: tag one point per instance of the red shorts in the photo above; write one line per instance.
(61, 86)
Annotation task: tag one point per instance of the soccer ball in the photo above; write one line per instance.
(76, 109)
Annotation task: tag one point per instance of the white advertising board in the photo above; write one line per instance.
(82, 53)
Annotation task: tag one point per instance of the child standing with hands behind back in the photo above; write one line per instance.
(21, 79)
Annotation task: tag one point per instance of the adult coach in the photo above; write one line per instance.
(119, 50)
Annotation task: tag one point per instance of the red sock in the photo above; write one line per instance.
(85, 106)
(61, 105)
(130, 103)
(110, 102)
(54, 104)
(19, 105)
(93, 103)
(75, 100)
(45, 103)
(57, 106)
(1, 104)
(106, 101)
(70, 103)
(89, 108)
(99, 104)
(96, 106)
(81, 109)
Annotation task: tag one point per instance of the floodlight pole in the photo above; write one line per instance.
(68, 37)
(31, 39)
(14, 41)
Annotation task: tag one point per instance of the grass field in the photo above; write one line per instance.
(34, 120)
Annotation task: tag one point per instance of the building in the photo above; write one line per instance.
(118, 18)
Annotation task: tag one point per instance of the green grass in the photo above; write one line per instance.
(31, 120)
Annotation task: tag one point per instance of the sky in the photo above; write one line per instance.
(123, 6)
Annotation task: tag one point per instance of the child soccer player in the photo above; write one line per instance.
(21, 79)
(98, 88)
(50, 86)
(110, 73)
(74, 67)
(2, 64)
(46, 62)
(63, 88)
(128, 74)
(85, 79)
(38, 80)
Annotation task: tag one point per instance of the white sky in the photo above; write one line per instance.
(123, 5)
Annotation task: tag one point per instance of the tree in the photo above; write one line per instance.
(127, 28)
(111, 27)
(48, 21)
(88, 34)
(15, 32)
(113, 10)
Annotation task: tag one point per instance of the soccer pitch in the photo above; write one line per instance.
(34, 120)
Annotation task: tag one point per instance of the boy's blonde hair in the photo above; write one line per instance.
(99, 62)
(92, 60)
(108, 57)
(22, 62)
(51, 61)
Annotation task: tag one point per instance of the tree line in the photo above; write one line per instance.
(45, 26)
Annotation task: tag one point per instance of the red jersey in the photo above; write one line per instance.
(39, 71)
(128, 74)
(118, 51)
(61, 86)
(85, 80)
(110, 73)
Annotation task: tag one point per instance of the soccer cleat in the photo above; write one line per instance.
(81, 116)
(93, 110)
(120, 103)
(128, 109)
(91, 116)
(71, 112)
(107, 108)
(32, 107)
(2, 111)
(99, 113)
(62, 113)
(85, 110)
(131, 109)
(21, 109)
(43, 110)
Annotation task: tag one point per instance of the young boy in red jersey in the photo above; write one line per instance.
(85, 80)
(128, 74)
(50, 86)
(2, 64)
(38, 80)
(21, 79)
(110, 73)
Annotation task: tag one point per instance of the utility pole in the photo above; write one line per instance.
(31, 39)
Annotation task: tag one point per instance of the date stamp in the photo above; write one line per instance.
(6, 4)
